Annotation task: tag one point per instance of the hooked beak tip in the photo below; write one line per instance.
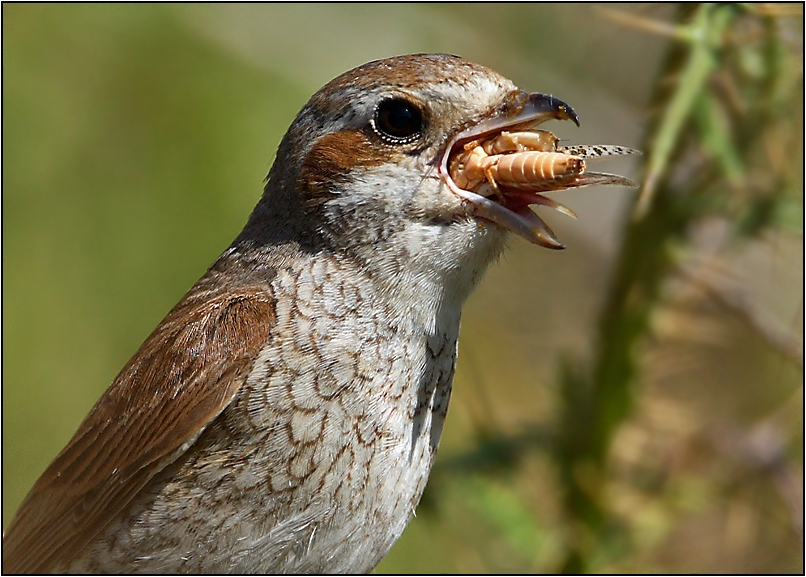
(542, 107)
(565, 112)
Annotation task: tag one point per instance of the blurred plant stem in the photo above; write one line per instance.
(723, 101)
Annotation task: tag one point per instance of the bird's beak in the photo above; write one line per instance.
(524, 111)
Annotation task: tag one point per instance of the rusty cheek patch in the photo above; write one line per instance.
(333, 158)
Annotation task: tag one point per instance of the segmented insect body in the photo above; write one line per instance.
(528, 161)
(515, 159)
(526, 168)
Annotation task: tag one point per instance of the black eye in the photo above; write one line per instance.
(398, 120)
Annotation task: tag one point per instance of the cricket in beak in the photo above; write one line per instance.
(503, 164)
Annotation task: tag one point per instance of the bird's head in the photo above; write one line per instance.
(364, 166)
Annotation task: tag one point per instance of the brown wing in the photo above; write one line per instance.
(181, 378)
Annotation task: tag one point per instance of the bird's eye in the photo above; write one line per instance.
(398, 121)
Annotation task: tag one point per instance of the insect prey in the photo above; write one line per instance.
(529, 161)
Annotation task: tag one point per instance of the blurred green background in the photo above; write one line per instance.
(633, 403)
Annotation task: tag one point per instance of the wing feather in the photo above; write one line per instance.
(185, 373)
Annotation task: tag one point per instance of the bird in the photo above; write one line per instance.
(285, 415)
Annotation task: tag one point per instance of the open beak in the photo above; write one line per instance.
(510, 210)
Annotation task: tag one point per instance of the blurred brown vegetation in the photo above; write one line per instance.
(631, 404)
